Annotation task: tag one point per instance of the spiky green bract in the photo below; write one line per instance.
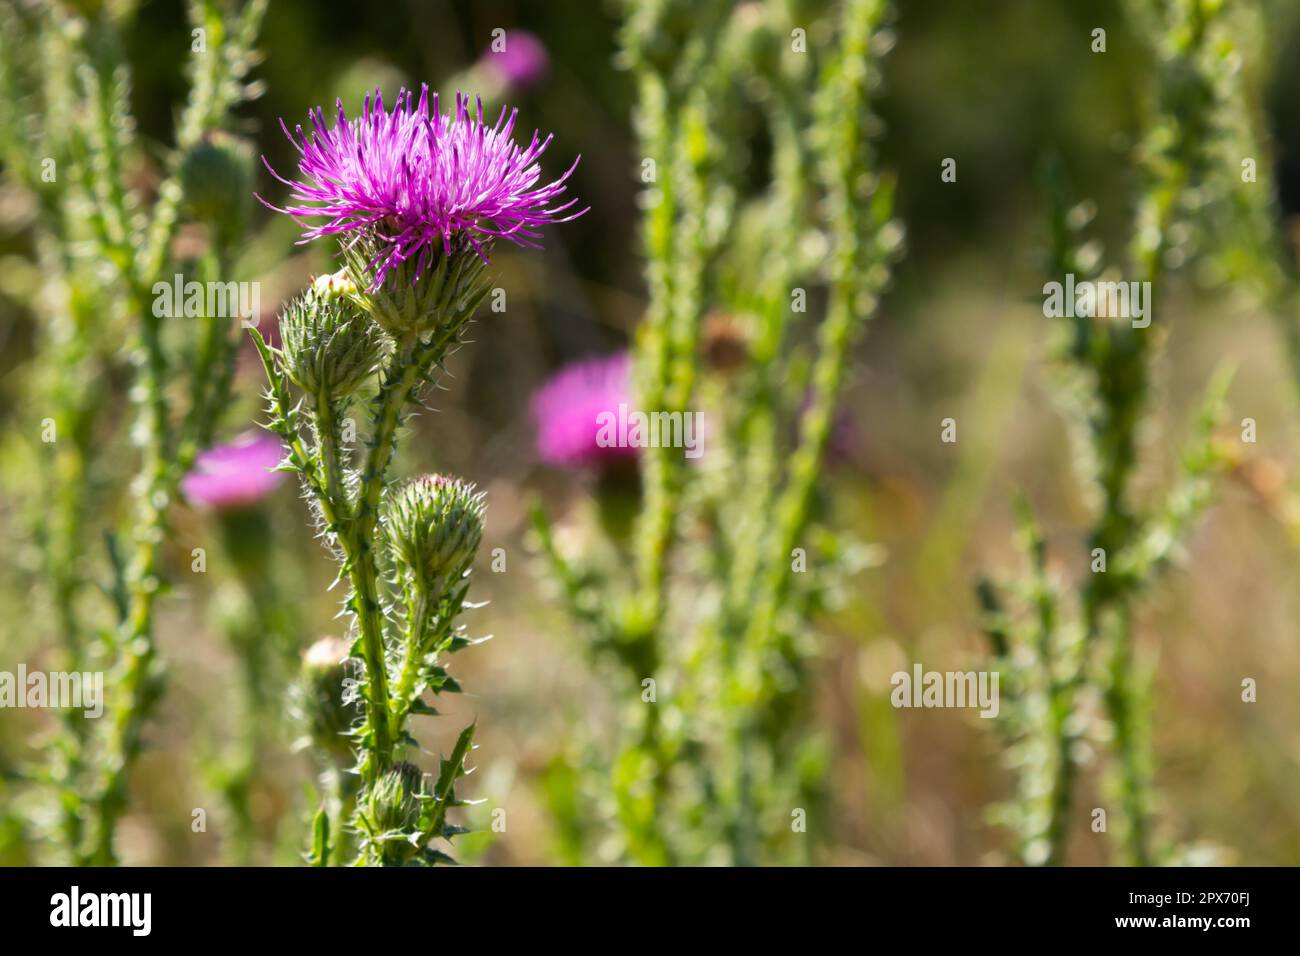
(330, 346)
(443, 297)
(216, 176)
(390, 815)
(433, 525)
(393, 804)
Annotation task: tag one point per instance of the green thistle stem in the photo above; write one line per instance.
(1122, 699)
(370, 623)
(420, 607)
(404, 379)
(331, 461)
(136, 642)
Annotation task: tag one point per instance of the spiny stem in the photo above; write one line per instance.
(419, 609)
(406, 374)
(370, 623)
(331, 461)
(136, 635)
(1121, 704)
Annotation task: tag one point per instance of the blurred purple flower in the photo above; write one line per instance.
(567, 406)
(412, 179)
(235, 474)
(522, 64)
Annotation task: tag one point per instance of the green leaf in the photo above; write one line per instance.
(454, 765)
(320, 843)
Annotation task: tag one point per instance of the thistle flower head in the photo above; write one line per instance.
(330, 346)
(434, 525)
(416, 181)
(236, 474)
(567, 407)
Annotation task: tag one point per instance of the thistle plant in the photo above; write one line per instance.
(713, 638)
(1074, 680)
(416, 199)
(70, 138)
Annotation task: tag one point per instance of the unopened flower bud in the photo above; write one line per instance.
(329, 707)
(393, 803)
(434, 525)
(330, 346)
(216, 176)
(335, 285)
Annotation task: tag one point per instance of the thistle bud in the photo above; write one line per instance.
(216, 176)
(334, 285)
(328, 707)
(435, 290)
(393, 803)
(329, 345)
(434, 525)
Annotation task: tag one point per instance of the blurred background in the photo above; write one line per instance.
(997, 84)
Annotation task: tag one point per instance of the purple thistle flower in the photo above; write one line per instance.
(411, 179)
(567, 406)
(522, 64)
(235, 474)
